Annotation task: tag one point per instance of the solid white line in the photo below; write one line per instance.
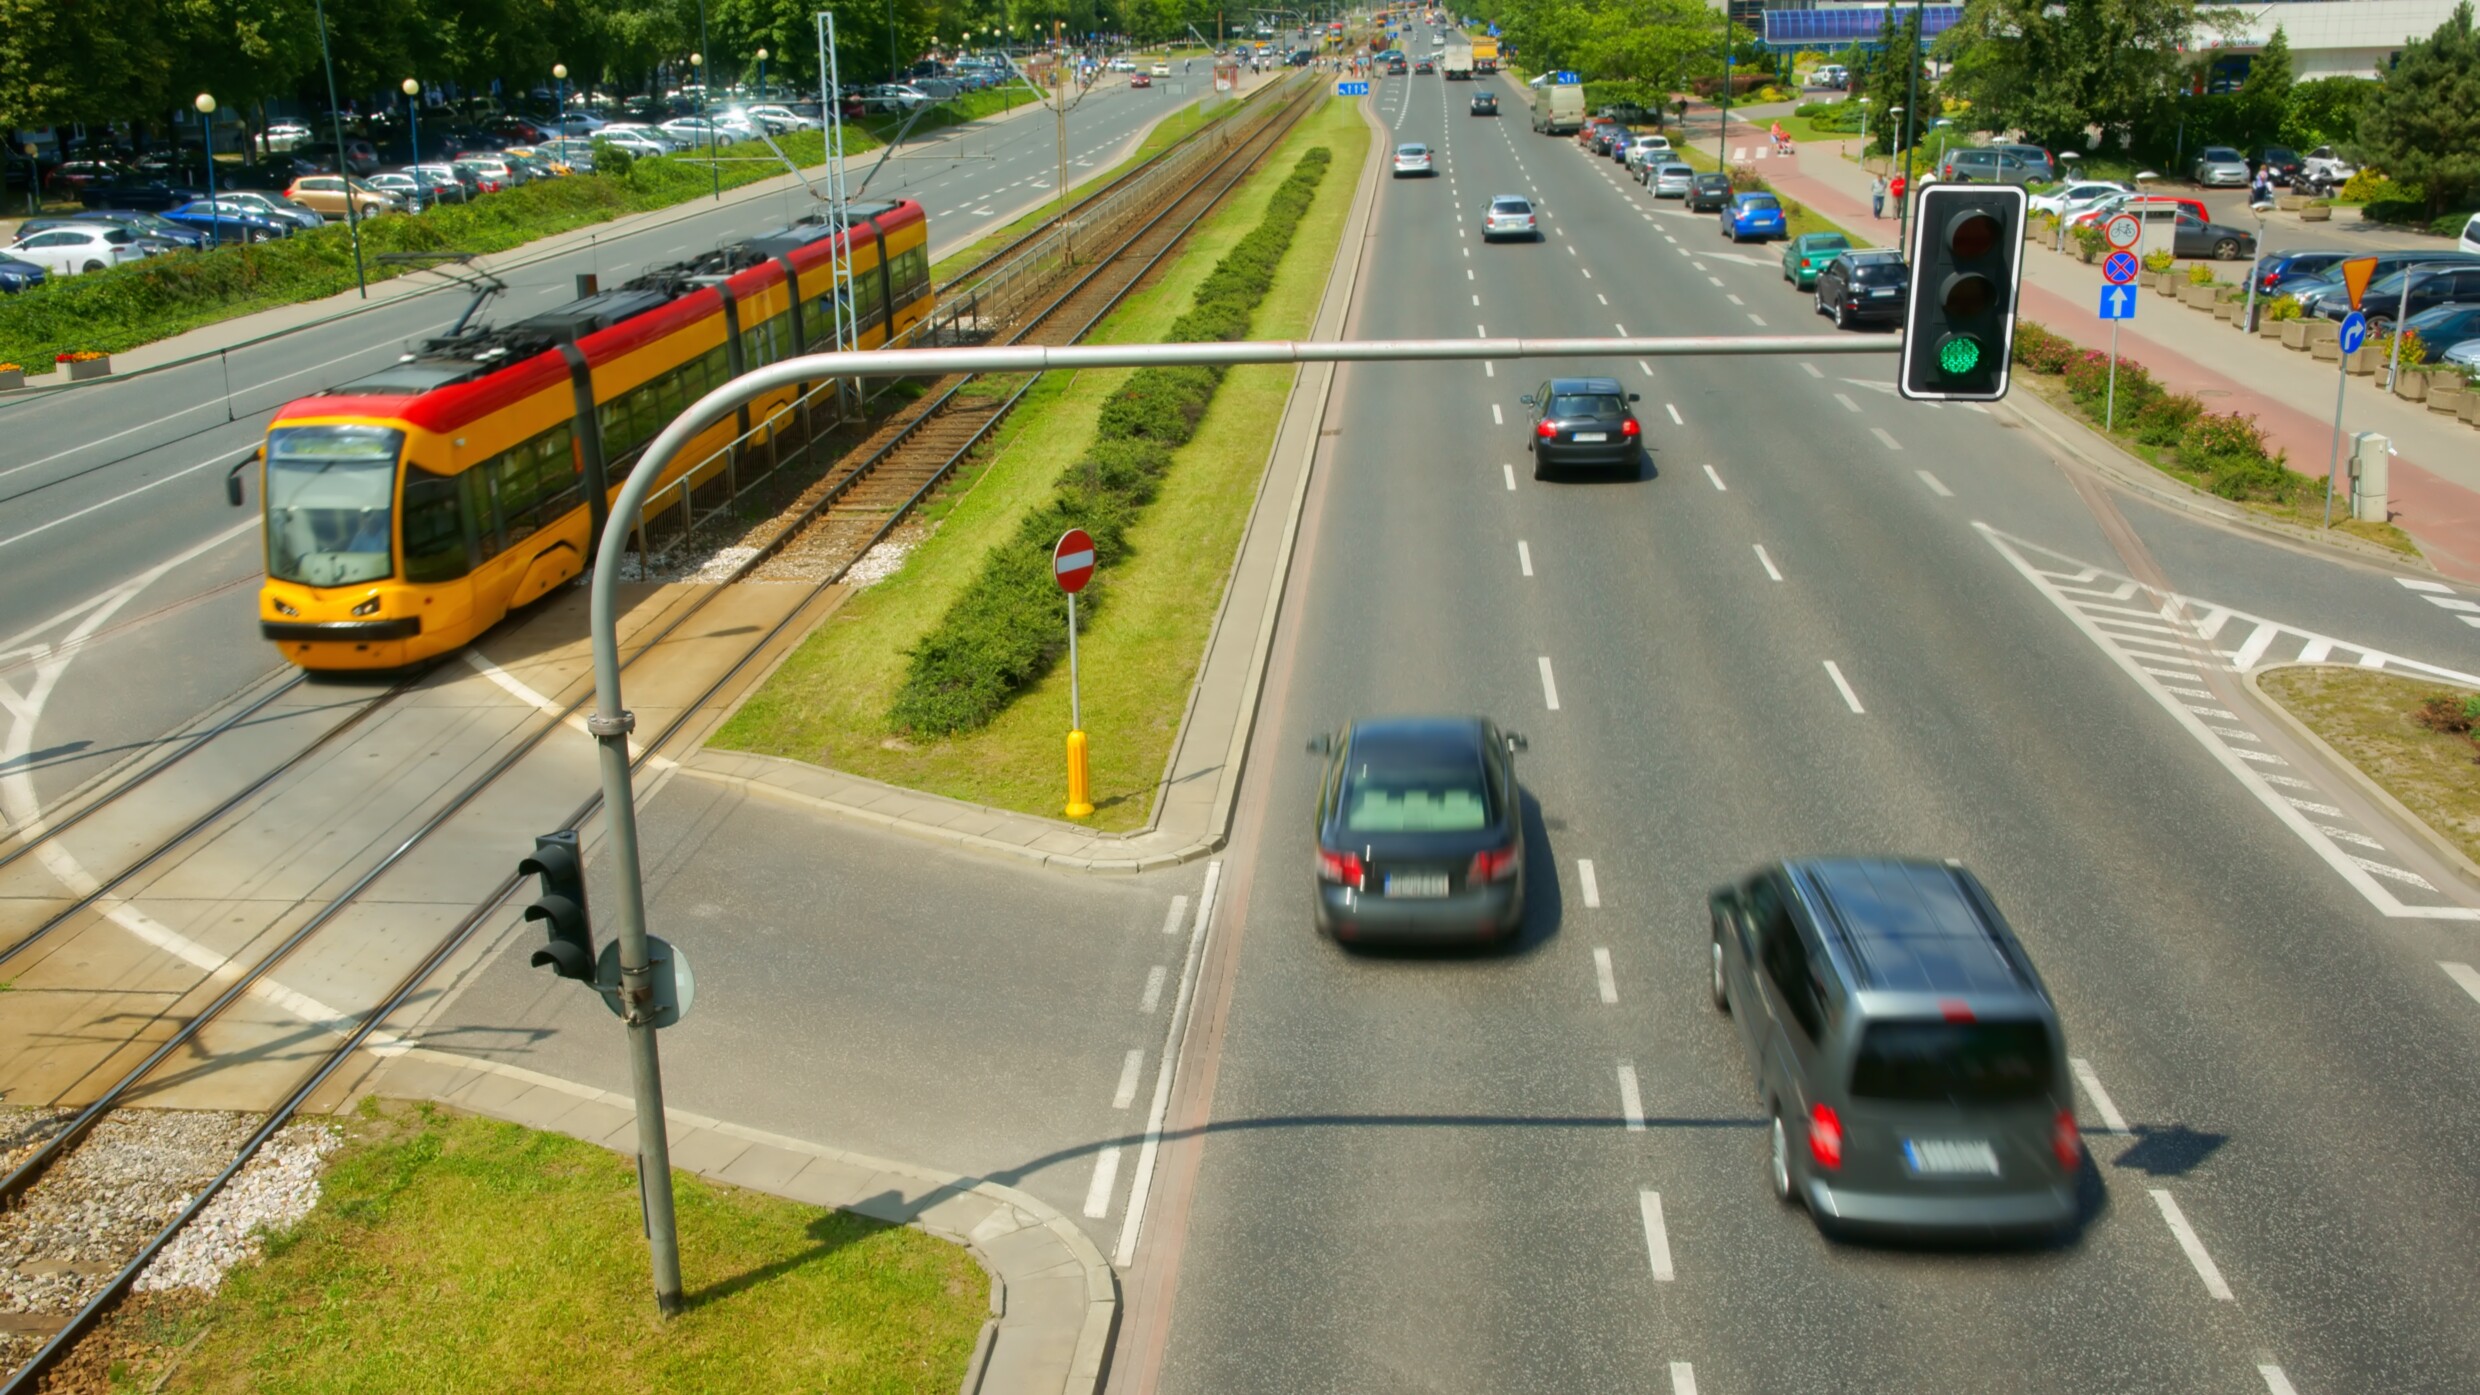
(510, 682)
(225, 459)
(1631, 1099)
(1883, 439)
(1161, 1108)
(1673, 409)
(1585, 878)
(2102, 1103)
(1717, 479)
(1153, 989)
(1848, 404)
(1657, 1238)
(2185, 1234)
(1683, 1378)
(1177, 912)
(1850, 698)
(1603, 978)
(1524, 556)
(2276, 1383)
(1767, 563)
(1936, 485)
(1106, 1174)
(1497, 417)
(1128, 1069)
(1511, 477)
(2465, 975)
(1549, 685)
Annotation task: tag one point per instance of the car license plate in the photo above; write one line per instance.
(1949, 1157)
(1592, 435)
(1416, 884)
(1887, 291)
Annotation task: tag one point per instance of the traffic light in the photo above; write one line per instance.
(1967, 260)
(562, 906)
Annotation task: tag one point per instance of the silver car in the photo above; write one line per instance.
(1669, 181)
(1510, 215)
(1645, 150)
(1414, 159)
(2220, 165)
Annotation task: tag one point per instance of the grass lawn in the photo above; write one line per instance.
(828, 703)
(2366, 715)
(454, 1253)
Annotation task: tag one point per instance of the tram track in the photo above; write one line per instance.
(1074, 312)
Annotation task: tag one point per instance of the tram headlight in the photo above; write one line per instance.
(283, 609)
(368, 607)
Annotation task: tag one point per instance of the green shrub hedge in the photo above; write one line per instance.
(124, 307)
(1003, 632)
(2225, 449)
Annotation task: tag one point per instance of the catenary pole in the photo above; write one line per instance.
(335, 121)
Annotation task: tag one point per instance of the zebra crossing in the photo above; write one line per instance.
(2442, 596)
(2169, 644)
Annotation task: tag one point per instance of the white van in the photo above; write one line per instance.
(2471, 235)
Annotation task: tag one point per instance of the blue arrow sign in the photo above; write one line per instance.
(1563, 79)
(1493, 31)
(1351, 89)
(2354, 332)
(2119, 268)
(2118, 302)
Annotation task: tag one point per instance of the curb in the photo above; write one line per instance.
(2438, 843)
(1054, 1301)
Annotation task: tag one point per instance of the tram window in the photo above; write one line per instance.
(866, 307)
(911, 270)
(535, 482)
(438, 546)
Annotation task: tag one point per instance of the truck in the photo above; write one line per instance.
(1558, 107)
(1458, 64)
(1485, 55)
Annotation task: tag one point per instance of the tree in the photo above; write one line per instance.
(1886, 77)
(2055, 70)
(2264, 97)
(81, 60)
(2422, 124)
(2325, 111)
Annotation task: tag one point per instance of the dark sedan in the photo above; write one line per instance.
(139, 192)
(2279, 164)
(224, 222)
(2194, 237)
(2275, 269)
(1709, 193)
(18, 275)
(1583, 421)
(1864, 288)
(1485, 104)
(1420, 832)
(2429, 285)
(2445, 328)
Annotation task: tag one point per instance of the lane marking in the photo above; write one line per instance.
(1476, 302)
(1657, 1237)
(2107, 1108)
(1153, 989)
(1936, 485)
(1588, 271)
(1585, 878)
(2465, 975)
(2185, 1234)
(1676, 418)
(1715, 279)
(1497, 417)
(1683, 1378)
(2276, 1383)
(1524, 556)
(1172, 917)
(1645, 366)
(1128, 1068)
(1106, 1175)
(1717, 479)
(1756, 319)
(1812, 370)
(1549, 685)
(1511, 477)
(1848, 404)
(1488, 369)
(1161, 1107)
(1622, 330)
(1603, 978)
(1883, 439)
(1735, 300)
(1597, 295)
(2435, 587)
(1767, 563)
(1631, 1099)
(225, 459)
(1843, 686)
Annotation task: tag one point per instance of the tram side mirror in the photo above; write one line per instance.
(232, 478)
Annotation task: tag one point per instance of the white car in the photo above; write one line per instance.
(1162, 70)
(2326, 165)
(1510, 215)
(1644, 149)
(2075, 197)
(697, 130)
(68, 251)
(784, 118)
(1414, 159)
(284, 135)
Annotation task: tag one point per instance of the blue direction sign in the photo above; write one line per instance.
(2120, 268)
(1351, 89)
(2118, 302)
(2354, 332)
(1564, 79)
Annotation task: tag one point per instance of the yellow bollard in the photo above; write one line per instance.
(1080, 800)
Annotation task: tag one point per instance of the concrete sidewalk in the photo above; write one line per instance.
(2435, 485)
(1193, 802)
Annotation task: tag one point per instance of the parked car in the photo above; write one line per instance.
(1806, 255)
(1864, 287)
(2279, 164)
(1708, 193)
(1985, 165)
(2141, 204)
(1757, 216)
(266, 205)
(73, 249)
(138, 191)
(1669, 181)
(153, 227)
(2219, 165)
(360, 156)
(2197, 237)
(2417, 288)
(272, 175)
(2325, 165)
(2077, 195)
(283, 135)
(18, 275)
(2446, 328)
(329, 195)
(782, 118)
(225, 222)
(1641, 149)
(2275, 268)
(70, 177)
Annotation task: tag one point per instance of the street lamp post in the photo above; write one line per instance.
(413, 126)
(1864, 128)
(335, 123)
(559, 74)
(206, 140)
(697, 69)
(761, 74)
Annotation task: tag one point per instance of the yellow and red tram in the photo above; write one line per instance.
(408, 510)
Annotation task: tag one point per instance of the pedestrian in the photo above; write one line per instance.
(1877, 198)
(1894, 190)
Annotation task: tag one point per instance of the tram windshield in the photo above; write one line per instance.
(330, 494)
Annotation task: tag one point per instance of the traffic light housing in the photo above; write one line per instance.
(1967, 270)
(561, 906)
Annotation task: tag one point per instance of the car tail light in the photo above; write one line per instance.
(1825, 1135)
(1492, 865)
(1545, 430)
(1630, 429)
(2066, 1140)
(1342, 867)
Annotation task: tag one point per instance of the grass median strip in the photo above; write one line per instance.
(830, 702)
(2413, 736)
(449, 1252)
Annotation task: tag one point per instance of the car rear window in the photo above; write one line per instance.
(1581, 404)
(1510, 206)
(1412, 150)
(1674, 171)
(1953, 1062)
(1387, 797)
(1760, 205)
(1877, 273)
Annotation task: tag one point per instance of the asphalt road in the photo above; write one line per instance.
(101, 486)
(1828, 621)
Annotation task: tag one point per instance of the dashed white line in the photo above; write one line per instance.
(2102, 1103)
(1511, 477)
(1676, 419)
(1476, 302)
(2185, 1234)
(1848, 404)
(1497, 417)
(1603, 978)
(1883, 439)
(1597, 295)
(1683, 1378)
(1177, 913)
(1622, 330)
(1843, 685)
(1128, 1069)
(1756, 319)
(1631, 1099)
(1153, 989)
(1812, 370)
(1719, 486)
(2276, 1383)
(1735, 300)
(1715, 279)
(1657, 1240)
(1524, 556)
(2465, 975)
(1936, 485)
(1588, 271)
(1549, 685)
(1106, 1174)
(1767, 563)
(1645, 366)
(1585, 879)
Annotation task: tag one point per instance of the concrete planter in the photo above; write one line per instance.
(91, 368)
(2167, 282)
(2411, 385)
(2448, 400)
(2290, 203)
(2364, 363)
(2326, 350)
(2316, 213)
(2228, 310)
(2298, 334)
(2270, 329)
(12, 380)
(2196, 297)
(2470, 410)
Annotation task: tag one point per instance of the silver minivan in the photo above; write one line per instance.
(1908, 1057)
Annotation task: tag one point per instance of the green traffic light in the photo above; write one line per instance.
(1960, 354)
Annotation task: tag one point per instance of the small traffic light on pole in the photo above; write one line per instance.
(561, 906)
(1967, 263)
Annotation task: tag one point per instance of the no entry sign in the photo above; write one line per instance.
(1072, 561)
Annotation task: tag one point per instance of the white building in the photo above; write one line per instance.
(2331, 38)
